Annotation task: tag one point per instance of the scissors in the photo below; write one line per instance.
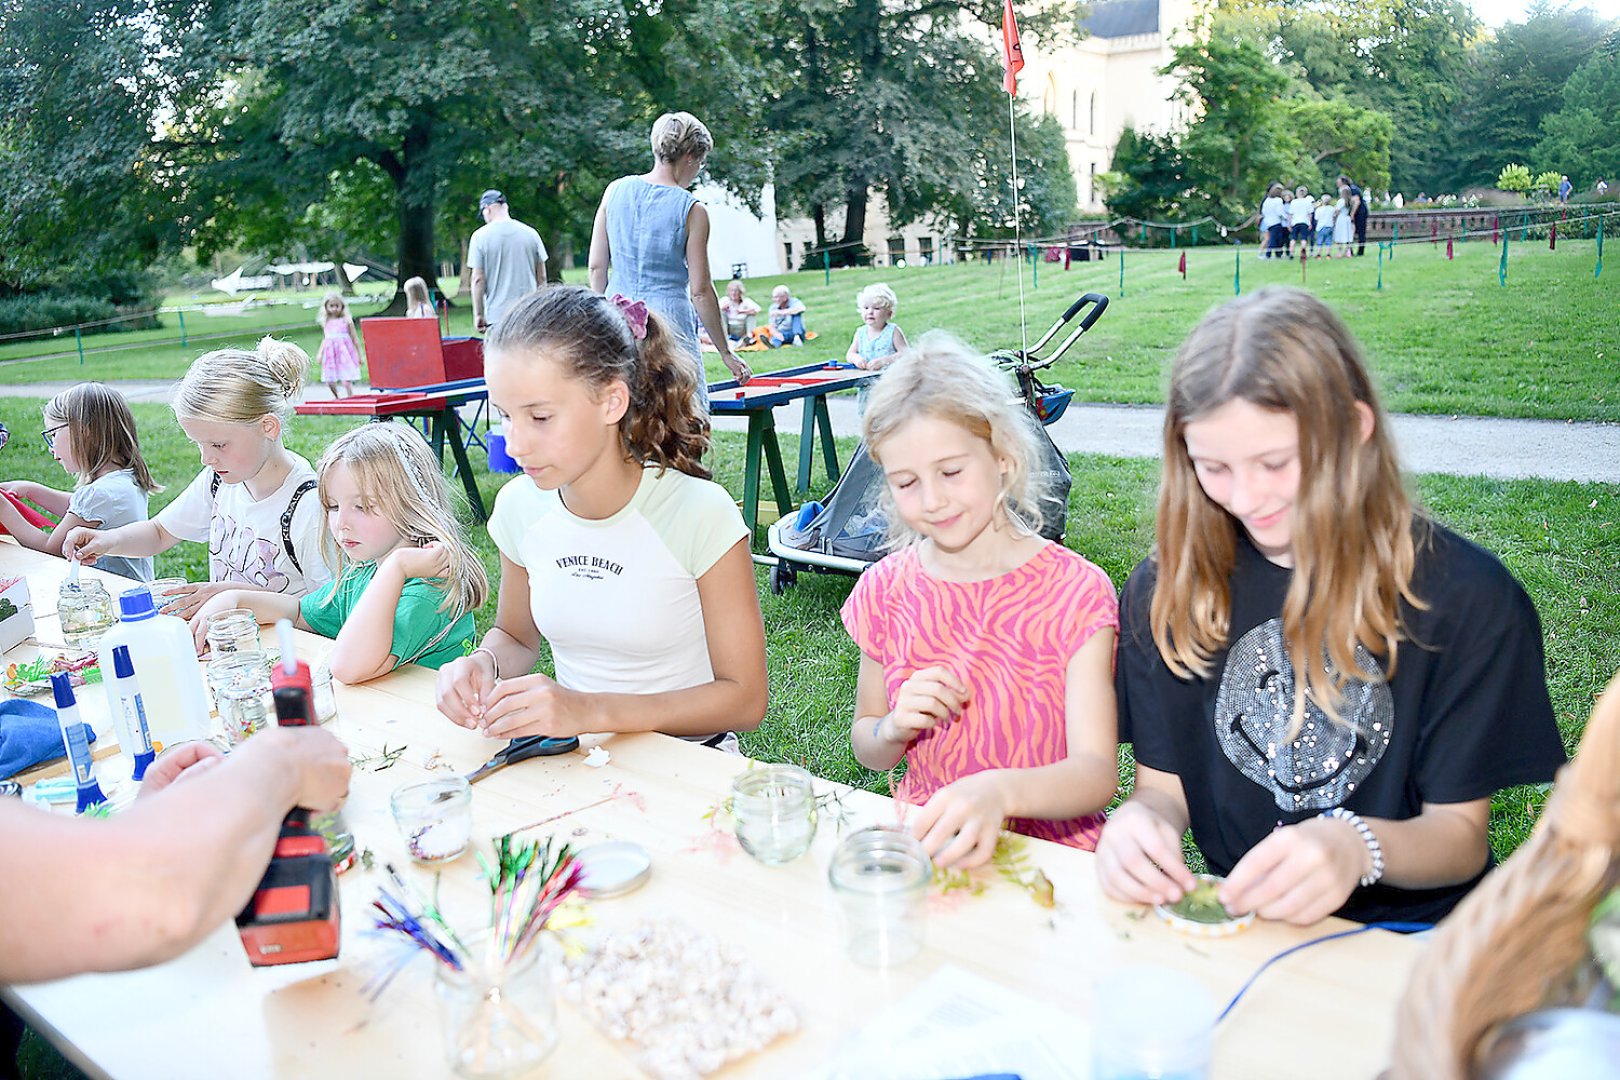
(522, 749)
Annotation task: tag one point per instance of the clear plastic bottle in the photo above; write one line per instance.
(162, 650)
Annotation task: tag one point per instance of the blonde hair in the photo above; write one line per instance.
(1355, 528)
(877, 295)
(323, 318)
(238, 386)
(941, 378)
(395, 470)
(416, 293)
(101, 430)
(678, 135)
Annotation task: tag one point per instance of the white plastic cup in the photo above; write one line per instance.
(1153, 1023)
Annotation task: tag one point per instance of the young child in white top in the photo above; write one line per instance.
(418, 305)
(615, 546)
(91, 433)
(252, 502)
(1325, 212)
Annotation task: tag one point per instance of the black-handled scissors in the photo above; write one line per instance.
(523, 749)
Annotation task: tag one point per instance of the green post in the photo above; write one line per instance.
(1501, 271)
(1144, 234)
(1380, 265)
(1598, 269)
(1035, 265)
(1122, 270)
(1172, 238)
(1237, 270)
(1195, 236)
(826, 265)
(182, 313)
(78, 339)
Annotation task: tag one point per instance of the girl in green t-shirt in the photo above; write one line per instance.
(407, 582)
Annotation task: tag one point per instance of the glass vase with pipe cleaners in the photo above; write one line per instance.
(294, 914)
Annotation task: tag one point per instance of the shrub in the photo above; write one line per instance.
(1514, 178)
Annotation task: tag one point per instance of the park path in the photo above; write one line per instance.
(1460, 446)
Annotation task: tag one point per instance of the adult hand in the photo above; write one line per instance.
(186, 604)
(481, 324)
(183, 759)
(319, 760)
(1139, 858)
(463, 689)
(85, 544)
(534, 705)
(739, 369)
(1300, 873)
(928, 697)
(961, 823)
(431, 560)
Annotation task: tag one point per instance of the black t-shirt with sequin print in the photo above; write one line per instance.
(1466, 714)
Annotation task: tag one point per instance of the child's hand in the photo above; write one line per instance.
(431, 560)
(205, 612)
(1139, 858)
(23, 489)
(533, 705)
(960, 824)
(929, 697)
(464, 687)
(185, 603)
(1300, 873)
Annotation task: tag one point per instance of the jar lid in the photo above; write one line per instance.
(613, 868)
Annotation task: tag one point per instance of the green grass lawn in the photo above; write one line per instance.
(1442, 337)
(1560, 539)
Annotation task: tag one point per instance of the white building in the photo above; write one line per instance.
(1108, 81)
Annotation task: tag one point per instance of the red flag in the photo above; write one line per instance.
(1448, 248)
(1012, 49)
(1183, 266)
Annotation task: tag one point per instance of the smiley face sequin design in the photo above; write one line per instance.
(1328, 761)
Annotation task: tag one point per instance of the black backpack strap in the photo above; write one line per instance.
(287, 518)
(213, 487)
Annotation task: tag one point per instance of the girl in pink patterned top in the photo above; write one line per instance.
(986, 651)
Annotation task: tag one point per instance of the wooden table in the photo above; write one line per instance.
(758, 399)
(438, 406)
(1327, 1012)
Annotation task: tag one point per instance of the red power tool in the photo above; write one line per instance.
(294, 913)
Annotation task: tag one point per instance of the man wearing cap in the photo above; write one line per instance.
(507, 259)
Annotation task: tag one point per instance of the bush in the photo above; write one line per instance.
(49, 310)
(1514, 178)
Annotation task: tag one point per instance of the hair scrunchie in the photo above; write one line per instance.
(634, 312)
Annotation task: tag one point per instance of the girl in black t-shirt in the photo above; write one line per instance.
(1332, 686)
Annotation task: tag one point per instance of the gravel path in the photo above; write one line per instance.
(1462, 446)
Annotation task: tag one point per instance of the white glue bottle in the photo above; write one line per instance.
(76, 741)
(131, 715)
(162, 650)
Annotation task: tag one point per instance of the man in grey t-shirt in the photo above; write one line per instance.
(507, 259)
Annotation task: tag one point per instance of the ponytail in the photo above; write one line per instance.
(664, 424)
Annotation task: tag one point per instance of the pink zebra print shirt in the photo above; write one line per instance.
(1010, 638)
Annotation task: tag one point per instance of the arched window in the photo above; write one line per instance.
(1093, 127)
(1049, 98)
(1074, 111)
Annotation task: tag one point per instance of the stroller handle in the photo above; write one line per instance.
(1093, 315)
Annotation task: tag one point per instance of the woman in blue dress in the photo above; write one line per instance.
(651, 241)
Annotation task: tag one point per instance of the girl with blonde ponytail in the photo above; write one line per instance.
(615, 546)
(251, 502)
(1325, 684)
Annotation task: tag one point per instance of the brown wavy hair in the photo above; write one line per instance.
(101, 430)
(664, 424)
(1355, 527)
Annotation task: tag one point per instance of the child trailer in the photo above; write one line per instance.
(849, 531)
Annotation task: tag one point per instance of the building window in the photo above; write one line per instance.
(925, 250)
(1094, 112)
(787, 254)
(1091, 185)
(897, 251)
(1074, 110)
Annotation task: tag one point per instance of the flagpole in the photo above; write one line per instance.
(1018, 235)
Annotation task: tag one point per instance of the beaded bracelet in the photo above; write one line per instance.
(1363, 830)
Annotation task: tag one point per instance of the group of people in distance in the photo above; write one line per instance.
(1322, 682)
(1293, 223)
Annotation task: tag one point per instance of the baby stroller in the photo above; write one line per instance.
(848, 532)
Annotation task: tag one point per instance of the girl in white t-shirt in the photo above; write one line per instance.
(616, 548)
(253, 502)
(90, 431)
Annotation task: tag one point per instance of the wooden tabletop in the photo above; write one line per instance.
(1327, 1012)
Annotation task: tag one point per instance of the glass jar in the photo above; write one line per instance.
(233, 631)
(339, 838)
(500, 1018)
(325, 697)
(434, 818)
(1160, 1024)
(85, 610)
(880, 876)
(773, 808)
(240, 683)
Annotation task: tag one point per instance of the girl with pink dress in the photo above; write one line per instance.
(340, 346)
(986, 650)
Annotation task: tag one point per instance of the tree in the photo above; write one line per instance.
(897, 96)
(1339, 138)
(1232, 87)
(1583, 137)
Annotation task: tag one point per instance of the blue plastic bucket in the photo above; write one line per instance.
(499, 460)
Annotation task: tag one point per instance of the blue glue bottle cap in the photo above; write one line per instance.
(123, 668)
(136, 604)
(62, 689)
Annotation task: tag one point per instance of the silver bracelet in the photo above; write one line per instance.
(493, 662)
(1363, 830)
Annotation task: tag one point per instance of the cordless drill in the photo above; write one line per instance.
(294, 913)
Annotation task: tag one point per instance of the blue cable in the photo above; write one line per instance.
(1396, 927)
